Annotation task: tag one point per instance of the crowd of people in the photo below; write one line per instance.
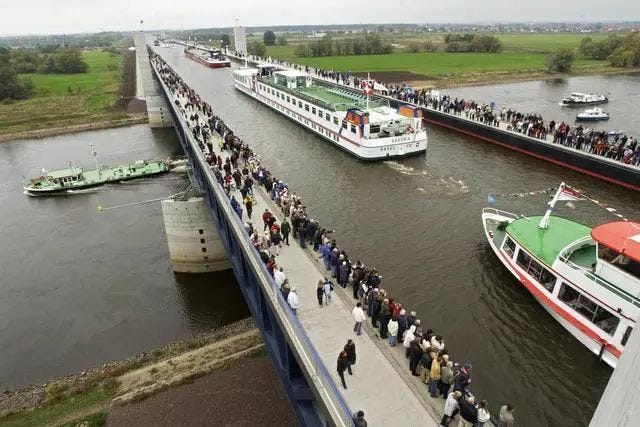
(238, 169)
(615, 145)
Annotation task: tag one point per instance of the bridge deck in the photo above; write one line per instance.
(381, 385)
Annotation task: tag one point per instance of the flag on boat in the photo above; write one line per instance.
(366, 87)
(569, 193)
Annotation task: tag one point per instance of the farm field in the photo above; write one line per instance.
(68, 99)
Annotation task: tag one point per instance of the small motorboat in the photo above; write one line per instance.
(592, 115)
(578, 99)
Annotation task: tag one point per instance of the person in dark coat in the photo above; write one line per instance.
(343, 365)
(302, 233)
(248, 203)
(402, 324)
(358, 275)
(285, 229)
(463, 379)
(384, 316)
(468, 410)
(415, 354)
(350, 348)
(343, 274)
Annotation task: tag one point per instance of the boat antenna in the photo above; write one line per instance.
(368, 89)
(94, 153)
(544, 222)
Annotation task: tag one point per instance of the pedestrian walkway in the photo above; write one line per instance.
(375, 386)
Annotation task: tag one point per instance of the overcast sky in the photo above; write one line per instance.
(75, 16)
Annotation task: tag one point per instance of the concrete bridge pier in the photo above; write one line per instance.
(148, 88)
(194, 242)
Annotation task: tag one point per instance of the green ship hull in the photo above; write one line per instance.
(74, 178)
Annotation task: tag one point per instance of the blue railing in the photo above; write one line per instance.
(310, 361)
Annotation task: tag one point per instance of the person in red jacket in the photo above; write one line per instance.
(266, 216)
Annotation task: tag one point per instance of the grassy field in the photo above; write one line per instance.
(68, 99)
(524, 55)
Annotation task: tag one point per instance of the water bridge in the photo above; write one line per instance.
(303, 347)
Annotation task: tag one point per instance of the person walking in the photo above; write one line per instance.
(343, 364)
(293, 301)
(506, 419)
(350, 348)
(248, 204)
(320, 291)
(358, 317)
(285, 229)
(327, 287)
(393, 331)
(358, 419)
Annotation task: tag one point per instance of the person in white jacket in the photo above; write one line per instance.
(409, 336)
(293, 301)
(393, 331)
(450, 407)
(358, 317)
(483, 413)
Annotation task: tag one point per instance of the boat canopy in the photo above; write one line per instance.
(620, 236)
(64, 173)
(546, 244)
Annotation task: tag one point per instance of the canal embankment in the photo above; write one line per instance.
(92, 394)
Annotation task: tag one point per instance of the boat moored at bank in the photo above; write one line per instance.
(363, 125)
(587, 279)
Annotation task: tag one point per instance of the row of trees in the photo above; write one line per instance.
(620, 51)
(67, 60)
(370, 44)
(269, 38)
(11, 86)
(471, 43)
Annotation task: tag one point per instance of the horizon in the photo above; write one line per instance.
(266, 27)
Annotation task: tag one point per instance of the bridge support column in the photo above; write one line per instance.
(194, 242)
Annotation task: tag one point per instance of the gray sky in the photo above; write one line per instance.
(75, 16)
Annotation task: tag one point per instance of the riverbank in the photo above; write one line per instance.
(115, 122)
(62, 103)
(90, 395)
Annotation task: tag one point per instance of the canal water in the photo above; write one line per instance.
(418, 221)
(80, 287)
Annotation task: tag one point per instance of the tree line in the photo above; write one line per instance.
(619, 51)
(46, 59)
(471, 43)
(370, 44)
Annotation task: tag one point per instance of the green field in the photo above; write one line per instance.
(67, 99)
(523, 55)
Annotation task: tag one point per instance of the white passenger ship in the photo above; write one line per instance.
(365, 126)
(587, 279)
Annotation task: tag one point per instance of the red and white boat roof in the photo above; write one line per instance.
(621, 236)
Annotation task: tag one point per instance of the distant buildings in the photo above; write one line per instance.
(240, 40)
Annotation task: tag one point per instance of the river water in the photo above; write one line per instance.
(418, 221)
(80, 287)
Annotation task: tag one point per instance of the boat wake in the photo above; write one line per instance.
(405, 170)
(447, 187)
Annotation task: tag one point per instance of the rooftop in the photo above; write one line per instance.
(621, 236)
(546, 244)
(64, 173)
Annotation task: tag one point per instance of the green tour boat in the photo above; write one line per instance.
(76, 178)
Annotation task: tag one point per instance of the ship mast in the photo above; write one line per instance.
(544, 222)
(95, 156)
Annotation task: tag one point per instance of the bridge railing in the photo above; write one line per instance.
(309, 358)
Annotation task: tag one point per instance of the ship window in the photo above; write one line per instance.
(605, 320)
(626, 335)
(288, 99)
(313, 110)
(536, 270)
(353, 128)
(509, 247)
(327, 117)
(618, 260)
(306, 107)
(344, 124)
(568, 295)
(374, 129)
(300, 104)
(335, 120)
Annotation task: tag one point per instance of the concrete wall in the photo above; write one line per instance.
(194, 243)
(148, 88)
(620, 403)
